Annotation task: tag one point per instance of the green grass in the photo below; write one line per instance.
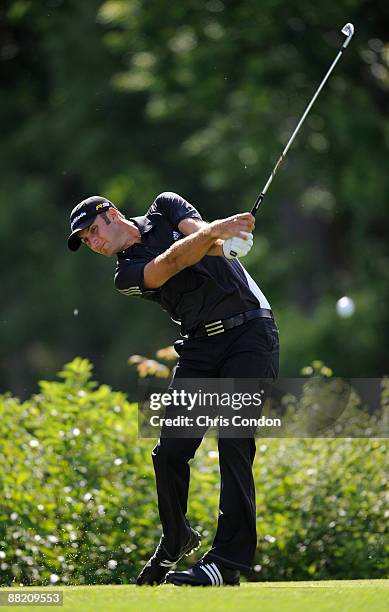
(323, 596)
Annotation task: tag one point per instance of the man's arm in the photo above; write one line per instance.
(193, 248)
(234, 247)
(189, 226)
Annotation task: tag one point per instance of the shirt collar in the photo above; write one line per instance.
(143, 222)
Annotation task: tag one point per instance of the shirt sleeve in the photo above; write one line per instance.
(129, 278)
(175, 208)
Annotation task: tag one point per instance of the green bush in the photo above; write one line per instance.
(79, 503)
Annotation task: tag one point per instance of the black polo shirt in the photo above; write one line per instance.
(214, 288)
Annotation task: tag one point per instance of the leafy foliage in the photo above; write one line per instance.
(79, 502)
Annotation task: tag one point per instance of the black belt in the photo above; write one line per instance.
(218, 327)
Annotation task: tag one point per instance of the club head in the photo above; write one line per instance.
(347, 30)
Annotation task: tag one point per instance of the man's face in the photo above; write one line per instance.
(101, 237)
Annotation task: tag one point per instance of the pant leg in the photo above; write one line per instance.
(252, 354)
(172, 473)
(170, 459)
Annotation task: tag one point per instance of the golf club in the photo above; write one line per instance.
(348, 31)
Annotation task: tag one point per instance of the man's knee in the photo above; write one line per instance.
(173, 451)
(243, 447)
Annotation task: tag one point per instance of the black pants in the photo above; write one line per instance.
(248, 351)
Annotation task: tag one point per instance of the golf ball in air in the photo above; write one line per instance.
(345, 307)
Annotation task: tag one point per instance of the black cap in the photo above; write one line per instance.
(83, 215)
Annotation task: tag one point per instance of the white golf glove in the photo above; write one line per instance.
(238, 247)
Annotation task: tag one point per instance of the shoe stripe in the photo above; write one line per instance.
(218, 581)
(216, 569)
(209, 574)
(214, 574)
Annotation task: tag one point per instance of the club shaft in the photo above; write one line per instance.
(261, 195)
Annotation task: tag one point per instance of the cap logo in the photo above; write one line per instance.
(83, 214)
(103, 205)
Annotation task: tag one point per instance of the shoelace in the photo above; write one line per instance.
(213, 572)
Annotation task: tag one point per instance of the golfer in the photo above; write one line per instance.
(192, 269)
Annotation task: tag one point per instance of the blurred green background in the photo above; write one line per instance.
(127, 99)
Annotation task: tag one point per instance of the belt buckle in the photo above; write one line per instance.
(216, 327)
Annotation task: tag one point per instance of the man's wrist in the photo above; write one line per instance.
(216, 250)
(212, 231)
